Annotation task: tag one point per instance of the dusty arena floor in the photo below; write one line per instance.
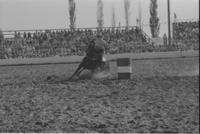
(30, 103)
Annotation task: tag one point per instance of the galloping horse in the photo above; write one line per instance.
(94, 58)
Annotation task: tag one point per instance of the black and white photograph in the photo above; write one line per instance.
(99, 66)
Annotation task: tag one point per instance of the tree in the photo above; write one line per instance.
(113, 17)
(72, 13)
(127, 4)
(140, 15)
(154, 20)
(100, 14)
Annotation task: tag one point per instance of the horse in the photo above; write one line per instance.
(93, 60)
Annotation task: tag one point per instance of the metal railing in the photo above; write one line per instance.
(94, 29)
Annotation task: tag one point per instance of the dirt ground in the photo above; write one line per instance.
(30, 103)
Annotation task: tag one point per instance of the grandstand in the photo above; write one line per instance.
(186, 34)
(66, 42)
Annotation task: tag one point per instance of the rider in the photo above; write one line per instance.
(99, 50)
(96, 48)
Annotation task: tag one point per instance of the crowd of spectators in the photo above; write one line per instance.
(186, 33)
(74, 42)
(68, 42)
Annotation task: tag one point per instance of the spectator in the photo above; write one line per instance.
(24, 35)
(165, 39)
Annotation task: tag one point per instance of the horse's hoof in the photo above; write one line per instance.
(73, 78)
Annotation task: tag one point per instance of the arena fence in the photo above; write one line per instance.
(111, 58)
(154, 64)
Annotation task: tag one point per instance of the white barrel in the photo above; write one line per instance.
(124, 68)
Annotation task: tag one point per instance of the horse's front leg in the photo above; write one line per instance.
(77, 72)
(73, 75)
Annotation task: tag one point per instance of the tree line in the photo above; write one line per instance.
(154, 20)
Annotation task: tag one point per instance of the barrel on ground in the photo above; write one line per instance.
(124, 68)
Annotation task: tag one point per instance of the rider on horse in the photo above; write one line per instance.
(94, 56)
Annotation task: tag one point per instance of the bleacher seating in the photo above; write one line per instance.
(186, 34)
(67, 42)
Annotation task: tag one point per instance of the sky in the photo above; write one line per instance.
(53, 14)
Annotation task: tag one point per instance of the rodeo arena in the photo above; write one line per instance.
(117, 79)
